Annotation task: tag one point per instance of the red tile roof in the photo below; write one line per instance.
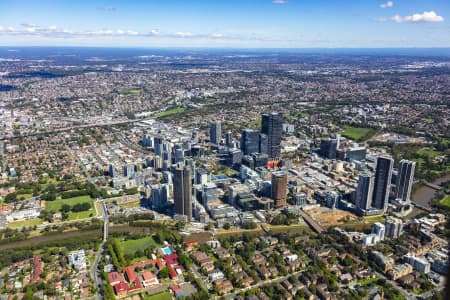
(176, 288)
(115, 278)
(121, 287)
(171, 259)
(136, 285)
(148, 276)
(172, 272)
(37, 268)
(131, 274)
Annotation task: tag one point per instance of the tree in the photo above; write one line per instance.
(226, 226)
(65, 208)
(164, 273)
(180, 225)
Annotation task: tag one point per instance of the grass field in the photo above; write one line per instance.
(56, 205)
(159, 296)
(24, 223)
(430, 152)
(373, 219)
(169, 112)
(368, 281)
(356, 133)
(81, 215)
(130, 204)
(256, 122)
(132, 246)
(446, 201)
(300, 115)
(130, 92)
(428, 120)
(24, 196)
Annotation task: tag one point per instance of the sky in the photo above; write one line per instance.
(226, 23)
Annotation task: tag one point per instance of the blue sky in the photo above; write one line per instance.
(226, 23)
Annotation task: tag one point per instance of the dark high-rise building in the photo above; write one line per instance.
(364, 191)
(328, 148)
(128, 170)
(405, 179)
(263, 143)
(260, 159)
(279, 188)
(356, 153)
(249, 141)
(229, 139)
(182, 191)
(272, 126)
(215, 132)
(159, 195)
(158, 145)
(112, 171)
(382, 185)
(234, 157)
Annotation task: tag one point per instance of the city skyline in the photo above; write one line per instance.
(271, 24)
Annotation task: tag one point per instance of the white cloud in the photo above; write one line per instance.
(426, 16)
(183, 34)
(153, 32)
(388, 4)
(54, 32)
(279, 1)
(217, 35)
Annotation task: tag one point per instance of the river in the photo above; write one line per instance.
(425, 194)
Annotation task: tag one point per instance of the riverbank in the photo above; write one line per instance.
(425, 194)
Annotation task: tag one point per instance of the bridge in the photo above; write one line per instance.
(105, 219)
(433, 186)
(313, 224)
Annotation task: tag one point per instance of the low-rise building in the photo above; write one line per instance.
(77, 259)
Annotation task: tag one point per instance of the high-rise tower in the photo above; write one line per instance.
(382, 186)
(364, 191)
(215, 132)
(182, 191)
(271, 126)
(405, 180)
(279, 188)
(249, 141)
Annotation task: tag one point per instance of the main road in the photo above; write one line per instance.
(95, 272)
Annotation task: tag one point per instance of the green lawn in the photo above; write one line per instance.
(373, 219)
(356, 133)
(430, 152)
(130, 204)
(368, 281)
(56, 205)
(256, 122)
(130, 92)
(25, 196)
(132, 246)
(169, 112)
(446, 201)
(159, 296)
(24, 223)
(428, 120)
(81, 215)
(300, 115)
